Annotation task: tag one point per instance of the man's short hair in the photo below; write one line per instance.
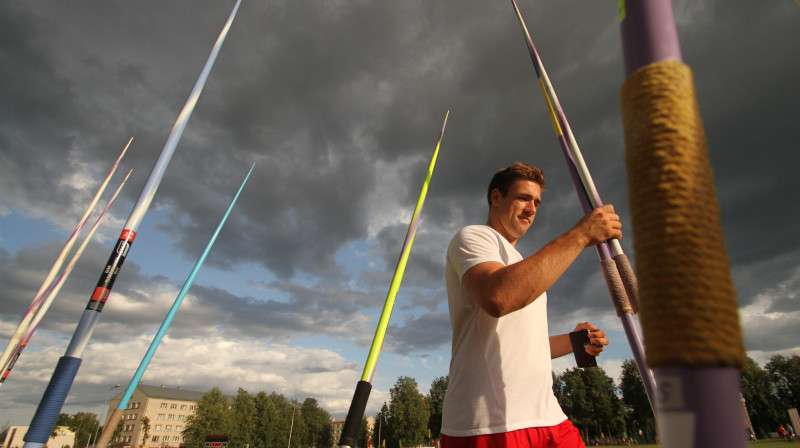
(503, 179)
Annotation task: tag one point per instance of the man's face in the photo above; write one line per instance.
(513, 214)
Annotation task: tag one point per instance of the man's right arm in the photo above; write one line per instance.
(501, 290)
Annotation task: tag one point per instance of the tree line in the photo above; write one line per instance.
(599, 409)
(83, 424)
(769, 392)
(258, 421)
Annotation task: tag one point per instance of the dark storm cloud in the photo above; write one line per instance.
(22, 274)
(339, 105)
(297, 309)
(420, 334)
(139, 302)
(37, 85)
(313, 115)
(748, 127)
(332, 310)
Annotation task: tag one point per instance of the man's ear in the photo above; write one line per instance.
(496, 195)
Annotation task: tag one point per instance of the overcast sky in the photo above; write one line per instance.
(339, 104)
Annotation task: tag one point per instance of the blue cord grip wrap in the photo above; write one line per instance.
(44, 421)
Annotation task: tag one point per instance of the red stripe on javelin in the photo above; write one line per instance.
(127, 235)
(100, 294)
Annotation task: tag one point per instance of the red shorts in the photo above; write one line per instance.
(562, 435)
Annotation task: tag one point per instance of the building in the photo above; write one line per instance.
(167, 410)
(336, 430)
(338, 423)
(12, 437)
(370, 426)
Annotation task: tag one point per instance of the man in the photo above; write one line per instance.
(500, 390)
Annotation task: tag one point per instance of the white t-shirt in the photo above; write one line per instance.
(500, 369)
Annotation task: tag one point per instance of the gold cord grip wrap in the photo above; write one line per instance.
(688, 304)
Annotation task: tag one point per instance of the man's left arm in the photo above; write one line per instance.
(560, 344)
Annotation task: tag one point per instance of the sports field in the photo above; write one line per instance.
(771, 443)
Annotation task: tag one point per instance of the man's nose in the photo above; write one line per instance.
(530, 207)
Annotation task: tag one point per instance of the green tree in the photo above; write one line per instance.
(381, 424)
(639, 415)
(145, 430)
(363, 434)
(83, 424)
(436, 401)
(315, 425)
(785, 375)
(64, 420)
(589, 398)
(760, 400)
(408, 415)
(212, 416)
(118, 430)
(259, 421)
(297, 427)
(273, 419)
(283, 424)
(570, 392)
(243, 423)
(264, 411)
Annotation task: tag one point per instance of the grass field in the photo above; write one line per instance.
(771, 443)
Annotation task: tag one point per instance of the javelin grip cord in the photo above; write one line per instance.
(684, 273)
(53, 400)
(353, 422)
(629, 281)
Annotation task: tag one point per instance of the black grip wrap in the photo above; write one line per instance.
(355, 414)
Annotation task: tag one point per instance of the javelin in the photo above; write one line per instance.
(34, 324)
(682, 260)
(616, 269)
(110, 426)
(44, 420)
(29, 314)
(359, 404)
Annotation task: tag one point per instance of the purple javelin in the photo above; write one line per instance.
(701, 406)
(617, 271)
